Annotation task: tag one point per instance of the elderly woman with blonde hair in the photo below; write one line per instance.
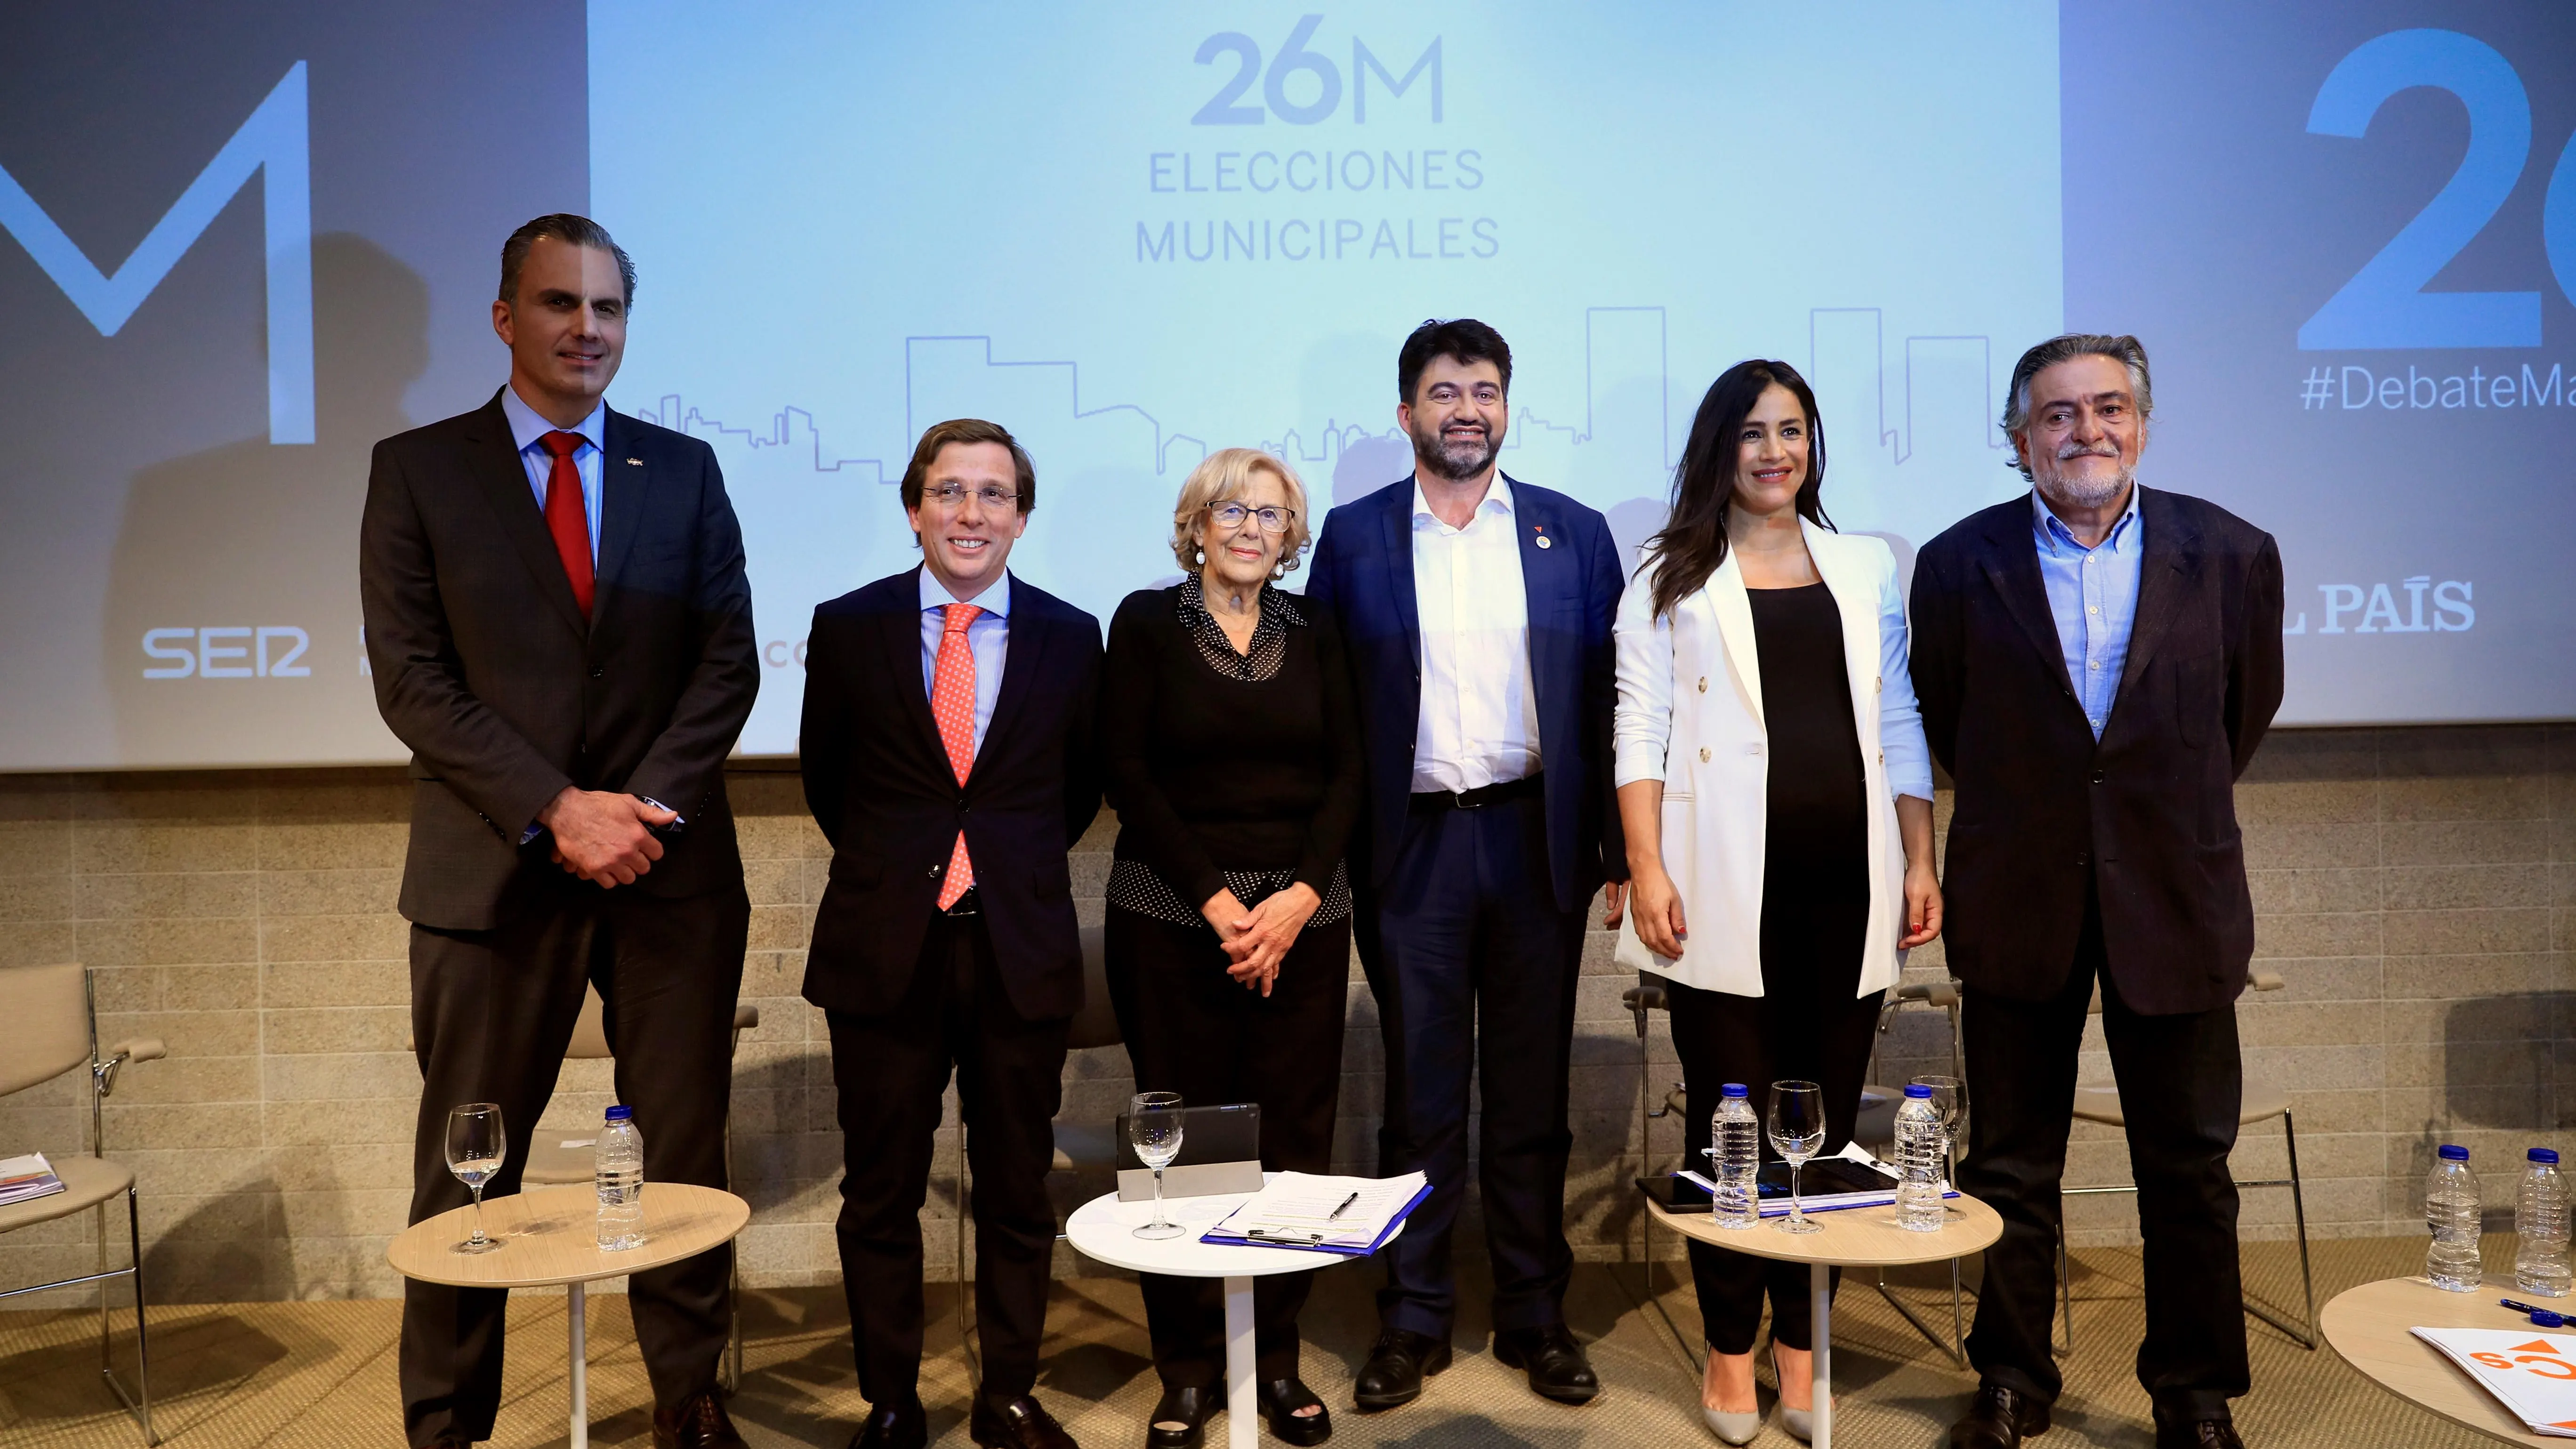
(1231, 743)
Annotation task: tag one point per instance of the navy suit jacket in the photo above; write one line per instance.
(879, 783)
(2146, 816)
(1363, 572)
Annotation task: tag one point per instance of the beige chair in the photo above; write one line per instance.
(550, 1162)
(2262, 1102)
(1079, 1146)
(52, 1012)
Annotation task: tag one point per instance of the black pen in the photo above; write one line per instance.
(1345, 1207)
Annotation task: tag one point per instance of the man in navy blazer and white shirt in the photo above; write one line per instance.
(1477, 615)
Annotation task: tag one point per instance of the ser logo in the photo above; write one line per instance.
(1302, 86)
(228, 651)
(273, 140)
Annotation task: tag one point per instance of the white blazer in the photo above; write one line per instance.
(1690, 715)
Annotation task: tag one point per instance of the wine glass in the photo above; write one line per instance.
(1154, 1129)
(1950, 1101)
(1797, 1131)
(476, 1147)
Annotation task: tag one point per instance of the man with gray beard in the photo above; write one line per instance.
(2125, 648)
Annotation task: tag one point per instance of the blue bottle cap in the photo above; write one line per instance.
(2543, 1154)
(1917, 1092)
(621, 1114)
(2543, 1318)
(2452, 1152)
(1732, 1089)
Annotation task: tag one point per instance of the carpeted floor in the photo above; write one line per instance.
(322, 1374)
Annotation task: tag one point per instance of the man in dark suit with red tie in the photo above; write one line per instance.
(948, 757)
(559, 627)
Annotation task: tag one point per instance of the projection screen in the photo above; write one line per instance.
(244, 248)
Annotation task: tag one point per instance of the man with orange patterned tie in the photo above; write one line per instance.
(948, 757)
(559, 628)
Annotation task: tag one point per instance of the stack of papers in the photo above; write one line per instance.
(22, 1178)
(1851, 1178)
(1352, 1216)
(2532, 1371)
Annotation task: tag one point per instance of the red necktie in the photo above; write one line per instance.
(952, 704)
(566, 519)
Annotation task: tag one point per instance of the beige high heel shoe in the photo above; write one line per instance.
(1734, 1428)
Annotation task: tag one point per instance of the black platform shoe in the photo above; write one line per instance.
(1280, 1401)
(1187, 1405)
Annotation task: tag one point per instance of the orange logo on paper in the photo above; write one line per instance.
(2536, 1357)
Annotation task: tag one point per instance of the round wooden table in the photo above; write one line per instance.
(1848, 1238)
(549, 1235)
(2370, 1327)
(1105, 1229)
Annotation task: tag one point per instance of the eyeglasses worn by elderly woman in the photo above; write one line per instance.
(1273, 519)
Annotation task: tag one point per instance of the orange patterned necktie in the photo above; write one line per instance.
(952, 704)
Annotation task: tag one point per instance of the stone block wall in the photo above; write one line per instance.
(2416, 892)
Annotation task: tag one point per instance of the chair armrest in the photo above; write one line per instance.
(2264, 978)
(746, 1017)
(1942, 993)
(1647, 995)
(133, 1049)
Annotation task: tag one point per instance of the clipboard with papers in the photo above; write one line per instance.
(1317, 1213)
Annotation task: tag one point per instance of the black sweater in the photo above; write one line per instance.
(1210, 773)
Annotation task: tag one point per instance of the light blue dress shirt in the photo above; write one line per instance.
(2093, 594)
(989, 637)
(529, 431)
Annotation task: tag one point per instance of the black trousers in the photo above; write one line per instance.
(2181, 1085)
(1190, 1029)
(1758, 1040)
(890, 1071)
(492, 1012)
(1474, 970)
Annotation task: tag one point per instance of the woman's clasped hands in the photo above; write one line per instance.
(1257, 938)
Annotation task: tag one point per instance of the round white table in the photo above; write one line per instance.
(550, 1235)
(1105, 1229)
(1849, 1238)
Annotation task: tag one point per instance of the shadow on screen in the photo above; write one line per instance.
(264, 540)
(1369, 464)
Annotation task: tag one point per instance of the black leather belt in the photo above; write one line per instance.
(1526, 787)
(969, 904)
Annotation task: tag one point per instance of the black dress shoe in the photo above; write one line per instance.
(1020, 1424)
(1554, 1362)
(893, 1426)
(1280, 1401)
(2196, 1433)
(1999, 1418)
(1187, 1405)
(696, 1422)
(1396, 1368)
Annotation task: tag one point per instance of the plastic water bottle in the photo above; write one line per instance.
(1735, 1151)
(620, 1172)
(1922, 1160)
(2453, 1212)
(2540, 1222)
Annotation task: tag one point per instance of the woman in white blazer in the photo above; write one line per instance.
(1777, 794)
